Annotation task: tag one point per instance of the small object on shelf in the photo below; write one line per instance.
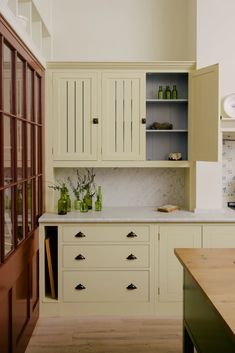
(160, 93)
(77, 202)
(168, 208)
(175, 156)
(50, 269)
(98, 202)
(174, 93)
(161, 126)
(83, 206)
(68, 200)
(62, 202)
(167, 93)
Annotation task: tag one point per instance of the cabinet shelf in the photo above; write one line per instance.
(154, 100)
(160, 143)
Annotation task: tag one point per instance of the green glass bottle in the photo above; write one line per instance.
(88, 199)
(174, 94)
(68, 200)
(62, 202)
(167, 93)
(160, 93)
(98, 203)
(83, 206)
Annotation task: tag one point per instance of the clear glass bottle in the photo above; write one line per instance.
(62, 202)
(174, 93)
(98, 202)
(160, 93)
(167, 93)
(77, 202)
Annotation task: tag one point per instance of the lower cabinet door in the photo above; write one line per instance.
(106, 286)
(170, 270)
(219, 236)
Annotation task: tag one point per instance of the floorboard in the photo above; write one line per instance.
(117, 334)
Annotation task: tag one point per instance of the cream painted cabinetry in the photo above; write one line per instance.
(123, 115)
(103, 268)
(105, 115)
(219, 236)
(170, 271)
(75, 115)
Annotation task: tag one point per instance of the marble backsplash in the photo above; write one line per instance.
(228, 171)
(135, 186)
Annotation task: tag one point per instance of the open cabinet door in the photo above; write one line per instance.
(204, 114)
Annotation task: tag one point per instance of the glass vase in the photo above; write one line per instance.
(88, 199)
(98, 202)
(62, 203)
(77, 204)
(83, 206)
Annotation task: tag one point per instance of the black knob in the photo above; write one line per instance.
(131, 286)
(131, 257)
(80, 286)
(131, 235)
(143, 121)
(80, 235)
(95, 121)
(80, 257)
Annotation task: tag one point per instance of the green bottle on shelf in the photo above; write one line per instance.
(88, 199)
(160, 93)
(98, 202)
(62, 202)
(167, 93)
(68, 200)
(174, 94)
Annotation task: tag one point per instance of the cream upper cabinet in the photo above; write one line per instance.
(123, 116)
(75, 115)
(170, 271)
(204, 114)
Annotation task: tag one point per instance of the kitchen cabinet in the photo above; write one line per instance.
(218, 236)
(161, 142)
(107, 257)
(101, 268)
(123, 116)
(75, 115)
(104, 116)
(170, 272)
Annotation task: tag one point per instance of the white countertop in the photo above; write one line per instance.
(138, 214)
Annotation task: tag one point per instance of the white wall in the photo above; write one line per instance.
(123, 30)
(215, 44)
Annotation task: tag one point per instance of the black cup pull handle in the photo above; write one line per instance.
(80, 257)
(131, 235)
(95, 121)
(131, 286)
(80, 235)
(143, 121)
(131, 257)
(80, 286)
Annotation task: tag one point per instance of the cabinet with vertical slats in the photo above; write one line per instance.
(75, 115)
(123, 115)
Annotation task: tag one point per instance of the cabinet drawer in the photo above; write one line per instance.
(85, 256)
(105, 286)
(105, 232)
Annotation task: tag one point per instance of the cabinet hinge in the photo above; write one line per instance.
(52, 151)
(158, 291)
(158, 235)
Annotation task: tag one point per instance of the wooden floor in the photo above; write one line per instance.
(117, 334)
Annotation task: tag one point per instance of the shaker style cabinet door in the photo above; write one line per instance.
(123, 116)
(75, 121)
(204, 114)
(170, 270)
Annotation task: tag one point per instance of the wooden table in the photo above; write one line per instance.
(209, 300)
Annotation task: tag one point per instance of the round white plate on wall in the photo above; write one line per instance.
(229, 106)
